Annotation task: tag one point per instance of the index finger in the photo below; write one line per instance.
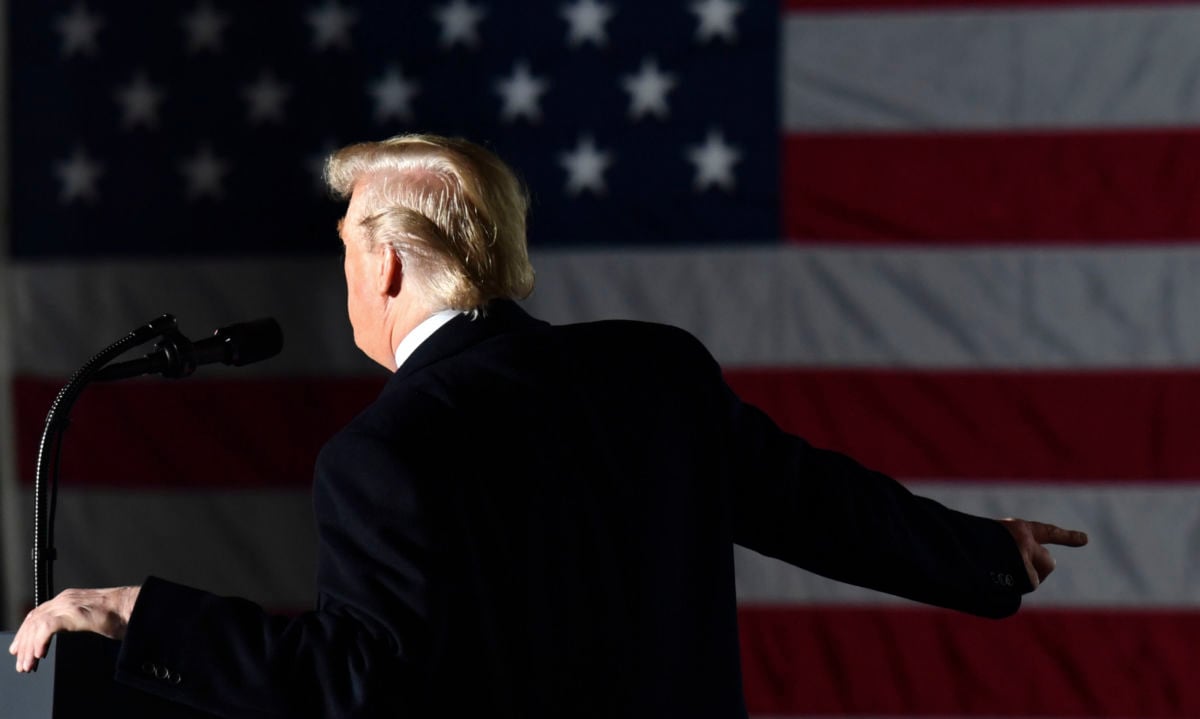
(1049, 534)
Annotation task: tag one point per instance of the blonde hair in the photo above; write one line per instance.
(452, 210)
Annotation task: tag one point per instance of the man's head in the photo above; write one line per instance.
(433, 223)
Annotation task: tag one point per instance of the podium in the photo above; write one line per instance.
(75, 681)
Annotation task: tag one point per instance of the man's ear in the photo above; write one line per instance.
(391, 272)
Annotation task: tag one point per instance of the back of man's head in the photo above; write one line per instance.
(452, 210)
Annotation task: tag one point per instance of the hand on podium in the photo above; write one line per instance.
(103, 611)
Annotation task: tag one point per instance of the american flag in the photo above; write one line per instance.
(956, 240)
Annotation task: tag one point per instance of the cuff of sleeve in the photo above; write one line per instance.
(1010, 574)
(151, 655)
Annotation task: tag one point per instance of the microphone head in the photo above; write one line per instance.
(249, 342)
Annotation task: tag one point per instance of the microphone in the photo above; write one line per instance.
(176, 356)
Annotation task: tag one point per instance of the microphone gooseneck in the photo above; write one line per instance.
(46, 481)
(174, 356)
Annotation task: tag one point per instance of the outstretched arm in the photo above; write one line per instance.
(822, 511)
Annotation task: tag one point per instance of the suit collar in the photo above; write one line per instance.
(423, 331)
(499, 317)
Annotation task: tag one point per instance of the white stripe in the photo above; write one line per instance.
(1141, 552)
(67, 311)
(14, 539)
(261, 544)
(980, 69)
(762, 306)
(986, 308)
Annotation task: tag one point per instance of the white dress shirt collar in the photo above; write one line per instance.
(422, 332)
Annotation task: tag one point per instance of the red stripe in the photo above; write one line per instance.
(198, 433)
(1070, 187)
(987, 425)
(923, 662)
(992, 425)
(838, 661)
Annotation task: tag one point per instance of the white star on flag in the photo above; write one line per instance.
(586, 19)
(521, 93)
(79, 29)
(393, 95)
(585, 166)
(716, 19)
(203, 173)
(265, 98)
(78, 176)
(714, 162)
(460, 23)
(648, 91)
(139, 102)
(331, 25)
(204, 26)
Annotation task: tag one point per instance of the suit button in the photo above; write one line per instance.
(160, 672)
(147, 668)
(175, 678)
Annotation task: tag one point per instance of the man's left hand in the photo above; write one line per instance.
(1031, 538)
(103, 611)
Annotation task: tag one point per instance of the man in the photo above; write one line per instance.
(531, 521)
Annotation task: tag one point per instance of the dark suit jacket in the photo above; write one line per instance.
(538, 521)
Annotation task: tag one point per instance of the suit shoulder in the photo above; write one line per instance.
(399, 411)
(636, 334)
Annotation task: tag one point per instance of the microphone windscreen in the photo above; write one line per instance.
(249, 342)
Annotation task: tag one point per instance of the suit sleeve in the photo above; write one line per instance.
(824, 512)
(359, 654)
